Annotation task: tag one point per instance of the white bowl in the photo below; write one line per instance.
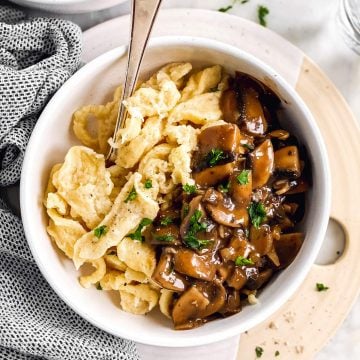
(52, 137)
(69, 6)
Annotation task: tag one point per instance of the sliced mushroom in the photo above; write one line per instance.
(213, 175)
(238, 246)
(195, 204)
(280, 134)
(254, 121)
(262, 161)
(232, 304)
(241, 192)
(165, 235)
(197, 266)
(237, 278)
(215, 292)
(261, 239)
(287, 247)
(188, 309)
(224, 137)
(298, 186)
(287, 161)
(262, 278)
(229, 106)
(165, 275)
(236, 217)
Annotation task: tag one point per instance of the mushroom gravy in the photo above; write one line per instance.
(226, 236)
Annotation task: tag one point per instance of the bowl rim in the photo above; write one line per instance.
(301, 273)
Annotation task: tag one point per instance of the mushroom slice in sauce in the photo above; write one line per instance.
(197, 266)
(262, 278)
(223, 210)
(237, 278)
(229, 106)
(166, 277)
(232, 304)
(287, 247)
(195, 204)
(165, 235)
(241, 187)
(238, 246)
(213, 175)
(261, 239)
(287, 161)
(262, 163)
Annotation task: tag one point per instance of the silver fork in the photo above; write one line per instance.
(143, 14)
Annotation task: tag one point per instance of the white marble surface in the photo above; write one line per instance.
(310, 25)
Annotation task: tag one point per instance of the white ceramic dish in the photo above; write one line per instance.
(52, 137)
(69, 6)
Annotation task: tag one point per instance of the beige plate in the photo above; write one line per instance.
(307, 321)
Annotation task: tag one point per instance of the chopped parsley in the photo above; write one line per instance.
(226, 8)
(259, 351)
(132, 195)
(263, 11)
(248, 146)
(214, 156)
(100, 231)
(166, 238)
(321, 287)
(257, 213)
(136, 235)
(243, 177)
(148, 184)
(277, 353)
(195, 226)
(244, 1)
(185, 209)
(242, 261)
(189, 189)
(98, 286)
(167, 220)
(225, 187)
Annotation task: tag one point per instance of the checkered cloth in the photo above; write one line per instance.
(36, 57)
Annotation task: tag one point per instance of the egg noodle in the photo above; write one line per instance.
(97, 212)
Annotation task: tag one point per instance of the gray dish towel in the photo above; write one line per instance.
(36, 57)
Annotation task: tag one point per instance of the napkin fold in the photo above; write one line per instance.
(36, 57)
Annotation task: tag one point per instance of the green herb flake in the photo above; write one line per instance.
(243, 177)
(148, 184)
(259, 351)
(321, 287)
(136, 235)
(242, 261)
(185, 209)
(189, 189)
(98, 286)
(165, 238)
(244, 1)
(225, 187)
(190, 238)
(248, 146)
(277, 353)
(100, 231)
(225, 8)
(132, 195)
(214, 156)
(257, 213)
(263, 11)
(167, 220)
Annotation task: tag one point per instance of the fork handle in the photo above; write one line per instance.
(143, 16)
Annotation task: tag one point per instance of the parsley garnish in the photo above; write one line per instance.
(100, 231)
(243, 177)
(167, 220)
(257, 213)
(259, 351)
(214, 156)
(132, 195)
(241, 261)
(189, 189)
(248, 146)
(277, 353)
(321, 287)
(185, 209)
(244, 1)
(166, 238)
(148, 184)
(136, 235)
(225, 187)
(98, 286)
(195, 226)
(225, 9)
(263, 11)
